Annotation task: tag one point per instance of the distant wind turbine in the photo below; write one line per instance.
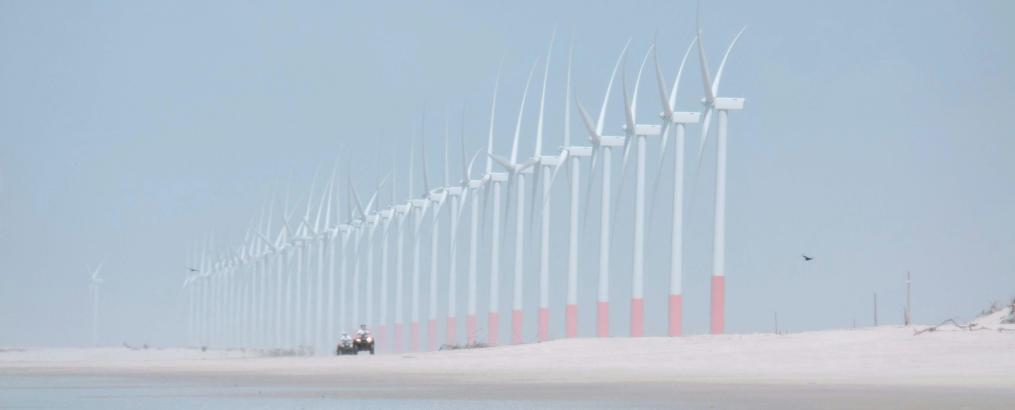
(94, 282)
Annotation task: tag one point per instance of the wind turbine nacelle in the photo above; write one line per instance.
(729, 104)
(403, 208)
(612, 141)
(549, 160)
(647, 130)
(386, 214)
(418, 203)
(498, 176)
(579, 151)
(686, 117)
(475, 183)
(372, 219)
(454, 190)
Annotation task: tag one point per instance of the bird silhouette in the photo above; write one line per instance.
(192, 269)
(806, 258)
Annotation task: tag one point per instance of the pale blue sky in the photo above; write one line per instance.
(875, 138)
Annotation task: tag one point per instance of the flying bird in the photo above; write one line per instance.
(192, 269)
(806, 258)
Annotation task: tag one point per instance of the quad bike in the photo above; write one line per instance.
(363, 342)
(345, 347)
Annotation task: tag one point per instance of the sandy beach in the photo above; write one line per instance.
(859, 368)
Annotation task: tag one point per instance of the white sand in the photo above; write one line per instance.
(884, 356)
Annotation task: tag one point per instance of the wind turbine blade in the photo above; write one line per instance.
(680, 73)
(320, 209)
(468, 169)
(706, 78)
(98, 269)
(542, 95)
(422, 156)
(704, 136)
(271, 208)
(521, 112)
(266, 241)
(561, 161)
(310, 195)
(412, 166)
(493, 113)
(666, 124)
(637, 84)
(370, 203)
(355, 198)
(437, 210)
(609, 86)
(722, 64)
(663, 90)
(465, 168)
(593, 133)
(628, 108)
(629, 135)
(502, 161)
(567, 96)
(658, 177)
(447, 162)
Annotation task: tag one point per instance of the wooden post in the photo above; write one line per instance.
(909, 311)
(875, 309)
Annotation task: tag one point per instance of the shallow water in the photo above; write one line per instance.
(103, 392)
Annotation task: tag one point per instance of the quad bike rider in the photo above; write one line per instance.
(363, 341)
(345, 345)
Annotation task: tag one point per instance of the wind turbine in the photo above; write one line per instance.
(94, 282)
(606, 144)
(471, 185)
(345, 230)
(639, 133)
(679, 121)
(465, 185)
(418, 206)
(303, 238)
(401, 213)
(386, 216)
(332, 232)
(516, 172)
(571, 155)
(372, 220)
(266, 253)
(455, 192)
(542, 170)
(323, 238)
(723, 105)
(368, 219)
(497, 179)
(437, 196)
(276, 250)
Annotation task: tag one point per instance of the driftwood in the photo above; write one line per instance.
(473, 345)
(972, 326)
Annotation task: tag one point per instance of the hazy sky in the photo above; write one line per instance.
(875, 138)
